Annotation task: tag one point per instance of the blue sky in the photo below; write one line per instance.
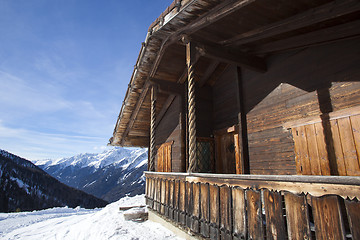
(64, 70)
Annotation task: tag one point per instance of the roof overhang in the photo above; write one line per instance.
(242, 32)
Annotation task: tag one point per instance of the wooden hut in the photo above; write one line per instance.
(251, 113)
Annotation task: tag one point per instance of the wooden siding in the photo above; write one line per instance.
(168, 130)
(226, 107)
(293, 88)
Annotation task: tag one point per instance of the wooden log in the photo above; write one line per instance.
(225, 213)
(327, 218)
(214, 212)
(255, 224)
(204, 210)
(353, 212)
(297, 216)
(239, 213)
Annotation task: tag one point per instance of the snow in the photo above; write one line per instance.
(122, 157)
(67, 223)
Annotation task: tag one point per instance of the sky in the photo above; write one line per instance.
(64, 70)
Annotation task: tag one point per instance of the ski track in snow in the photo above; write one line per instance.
(77, 224)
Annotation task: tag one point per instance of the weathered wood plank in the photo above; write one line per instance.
(239, 213)
(163, 196)
(348, 146)
(189, 205)
(214, 212)
(301, 142)
(353, 212)
(313, 150)
(255, 224)
(182, 199)
(275, 225)
(327, 218)
(340, 161)
(297, 216)
(195, 225)
(176, 200)
(225, 213)
(171, 199)
(322, 150)
(297, 150)
(355, 124)
(167, 196)
(204, 210)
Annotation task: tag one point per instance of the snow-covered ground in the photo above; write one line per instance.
(78, 223)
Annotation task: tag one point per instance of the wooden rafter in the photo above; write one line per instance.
(320, 14)
(208, 72)
(218, 12)
(323, 36)
(164, 109)
(136, 110)
(232, 56)
(168, 87)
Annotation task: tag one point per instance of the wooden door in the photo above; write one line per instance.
(164, 157)
(227, 151)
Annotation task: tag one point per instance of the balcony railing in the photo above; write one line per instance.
(219, 206)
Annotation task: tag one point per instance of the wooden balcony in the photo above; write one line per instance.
(219, 206)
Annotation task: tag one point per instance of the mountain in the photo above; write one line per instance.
(110, 175)
(26, 187)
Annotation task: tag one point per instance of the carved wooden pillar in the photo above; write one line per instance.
(190, 60)
(152, 128)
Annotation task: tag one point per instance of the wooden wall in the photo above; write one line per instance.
(225, 95)
(298, 84)
(169, 129)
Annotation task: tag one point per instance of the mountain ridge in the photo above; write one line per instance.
(110, 175)
(27, 187)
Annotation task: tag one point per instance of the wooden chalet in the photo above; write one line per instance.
(251, 113)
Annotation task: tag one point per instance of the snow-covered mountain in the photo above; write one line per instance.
(25, 186)
(109, 175)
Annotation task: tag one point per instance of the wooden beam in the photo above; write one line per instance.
(232, 56)
(168, 87)
(209, 71)
(323, 36)
(320, 14)
(135, 111)
(164, 109)
(222, 10)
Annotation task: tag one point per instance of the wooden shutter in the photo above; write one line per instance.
(164, 157)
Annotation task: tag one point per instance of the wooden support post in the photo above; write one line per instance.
(244, 167)
(190, 58)
(152, 129)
